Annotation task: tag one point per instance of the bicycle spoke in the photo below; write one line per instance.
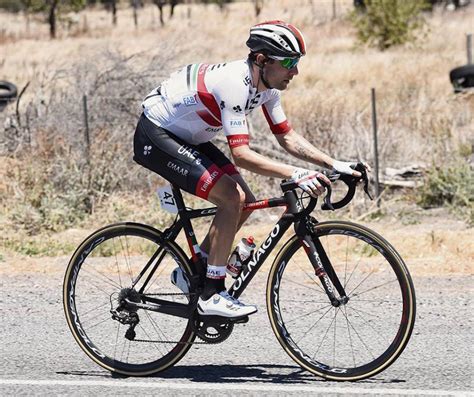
(126, 255)
(363, 281)
(156, 327)
(116, 341)
(110, 259)
(357, 336)
(116, 262)
(324, 336)
(350, 336)
(308, 313)
(317, 321)
(96, 324)
(93, 272)
(376, 287)
(128, 263)
(83, 315)
(303, 285)
(377, 332)
(155, 345)
(316, 282)
(360, 338)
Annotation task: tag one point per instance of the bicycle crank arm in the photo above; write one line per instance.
(160, 306)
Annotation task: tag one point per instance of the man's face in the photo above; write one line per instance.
(278, 76)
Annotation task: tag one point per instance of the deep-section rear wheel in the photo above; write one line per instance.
(355, 340)
(99, 277)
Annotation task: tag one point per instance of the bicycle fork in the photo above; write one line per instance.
(324, 270)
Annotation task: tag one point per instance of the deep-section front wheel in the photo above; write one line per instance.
(98, 280)
(359, 338)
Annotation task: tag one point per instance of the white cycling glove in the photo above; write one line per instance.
(307, 180)
(343, 167)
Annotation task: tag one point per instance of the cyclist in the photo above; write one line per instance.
(182, 115)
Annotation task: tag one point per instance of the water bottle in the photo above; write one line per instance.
(241, 253)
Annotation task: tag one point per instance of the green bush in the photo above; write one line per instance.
(386, 23)
(11, 5)
(452, 186)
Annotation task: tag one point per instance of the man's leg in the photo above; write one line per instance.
(229, 198)
(249, 197)
(214, 300)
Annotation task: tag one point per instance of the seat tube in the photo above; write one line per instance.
(188, 229)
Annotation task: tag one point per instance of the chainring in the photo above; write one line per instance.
(214, 332)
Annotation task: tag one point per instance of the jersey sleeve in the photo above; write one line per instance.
(231, 97)
(274, 114)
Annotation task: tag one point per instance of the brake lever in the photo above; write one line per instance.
(361, 168)
(327, 205)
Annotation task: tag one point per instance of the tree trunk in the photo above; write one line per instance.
(135, 4)
(258, 7)
(173, 5)
(114, 12)
(160, 4)
(53, 4)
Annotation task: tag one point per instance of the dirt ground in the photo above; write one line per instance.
(432, 244)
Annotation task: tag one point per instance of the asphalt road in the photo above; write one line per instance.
(38, 355)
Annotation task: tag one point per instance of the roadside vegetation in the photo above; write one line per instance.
(57, 172)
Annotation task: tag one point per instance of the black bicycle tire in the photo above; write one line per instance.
(90, 243)
(7, 90)
(278, 326)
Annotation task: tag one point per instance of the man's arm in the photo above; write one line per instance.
(246, 158)
(306, 179)
(301, 148)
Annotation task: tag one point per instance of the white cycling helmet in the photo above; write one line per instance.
(277, 38)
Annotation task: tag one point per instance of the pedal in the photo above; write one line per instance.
(240, 320)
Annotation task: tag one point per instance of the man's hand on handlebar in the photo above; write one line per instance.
(310, 181)
(348, 168)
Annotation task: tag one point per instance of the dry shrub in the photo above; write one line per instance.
(54, 178)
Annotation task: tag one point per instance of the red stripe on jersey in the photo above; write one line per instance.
(277, 129)
(238, 140)
(205, 96)
(230, 169)
(207, 180)
(208, 118)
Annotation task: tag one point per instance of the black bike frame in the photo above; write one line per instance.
(295, 214)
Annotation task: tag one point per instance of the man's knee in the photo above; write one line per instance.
(228, 194)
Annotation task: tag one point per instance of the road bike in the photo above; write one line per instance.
(339, 297)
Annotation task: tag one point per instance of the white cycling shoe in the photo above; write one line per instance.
(224, 305)
(179, 279)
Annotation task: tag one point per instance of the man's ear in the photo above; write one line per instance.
(261, 60)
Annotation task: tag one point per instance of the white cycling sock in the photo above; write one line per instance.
(215, 272)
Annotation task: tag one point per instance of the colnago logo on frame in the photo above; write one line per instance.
(256, 257)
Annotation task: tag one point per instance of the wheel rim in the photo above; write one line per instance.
(352, 341)
(98, 275)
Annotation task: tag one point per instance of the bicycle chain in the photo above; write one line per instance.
(203, 342)
(166, 341)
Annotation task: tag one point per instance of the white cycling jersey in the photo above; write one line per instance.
(198, 101)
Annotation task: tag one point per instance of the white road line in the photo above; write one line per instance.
(231, 387)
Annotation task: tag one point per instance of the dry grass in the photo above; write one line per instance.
(420, 119)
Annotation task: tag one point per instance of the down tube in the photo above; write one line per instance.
(259, 256)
